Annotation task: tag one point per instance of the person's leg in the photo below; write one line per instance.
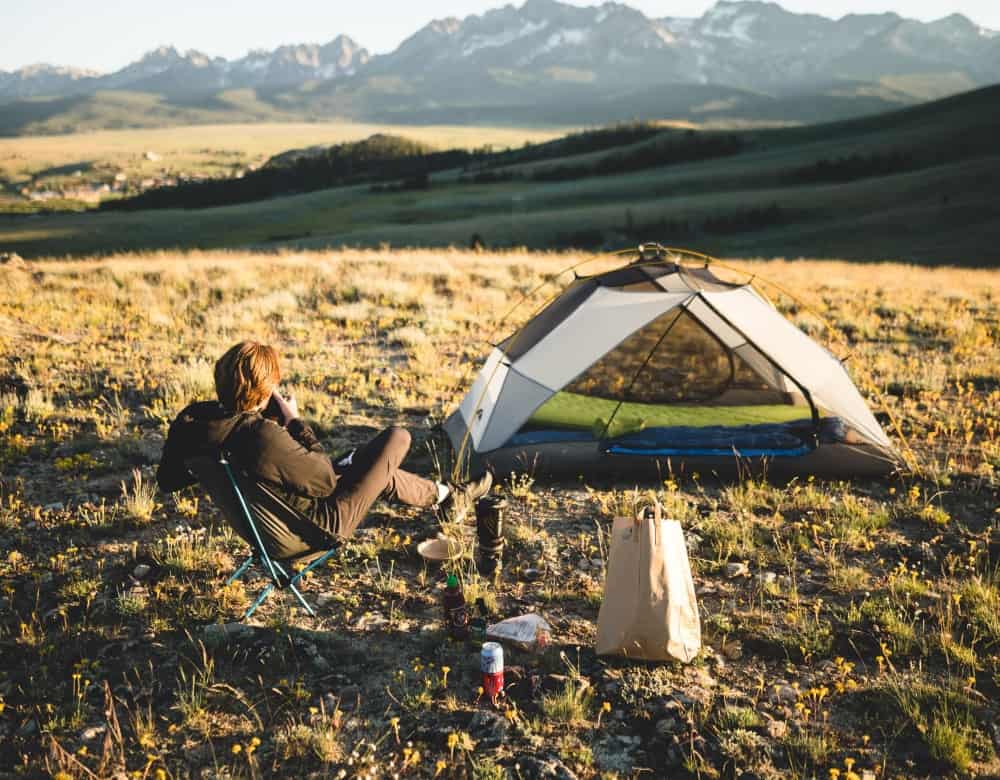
(374, 472)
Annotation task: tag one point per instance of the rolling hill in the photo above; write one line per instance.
(916, 184)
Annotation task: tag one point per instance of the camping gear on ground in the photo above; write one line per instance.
(489, 530)
(660, 365)
(439, 550)
(281, 540)
(491, 664)
(649, 609)
(526, 632)
(455, 614)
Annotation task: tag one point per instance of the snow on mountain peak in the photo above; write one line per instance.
(476, 43)
(728, 20)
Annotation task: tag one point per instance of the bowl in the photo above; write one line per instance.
(439, 550)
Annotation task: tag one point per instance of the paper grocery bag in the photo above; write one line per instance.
(649, 609)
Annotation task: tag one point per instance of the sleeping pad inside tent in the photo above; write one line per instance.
(657, 365)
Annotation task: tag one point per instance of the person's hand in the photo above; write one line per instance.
(288, 408)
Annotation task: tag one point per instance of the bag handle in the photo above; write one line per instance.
(657, 508)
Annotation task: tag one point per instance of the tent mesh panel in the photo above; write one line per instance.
(673, 359)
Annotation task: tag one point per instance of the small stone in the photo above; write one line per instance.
(141, 571)
(776, 729)
(733, 650)
(766, 578)
(371, 620)
(867, 774)
(703, 677)
(583, 565)
(531, 575)
(667, 726)
(92, 733)
(596, 563)
(323, 599)
(692, 542)
(488, 729)
(734, 570)
(217, 633)
(786, 694)
(542, 767)
(785, 582)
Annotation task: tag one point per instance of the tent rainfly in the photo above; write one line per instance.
(657, 366)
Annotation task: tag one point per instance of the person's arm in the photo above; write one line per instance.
(285, 411)
(172, 474)
(293, 458)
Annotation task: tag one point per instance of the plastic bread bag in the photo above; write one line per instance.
(528, 632)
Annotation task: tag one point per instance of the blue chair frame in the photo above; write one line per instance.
(277, 573)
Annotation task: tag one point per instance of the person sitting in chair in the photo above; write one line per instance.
(266, 438)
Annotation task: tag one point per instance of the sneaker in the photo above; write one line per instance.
(462, 498)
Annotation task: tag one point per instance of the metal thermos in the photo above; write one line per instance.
(489, 528)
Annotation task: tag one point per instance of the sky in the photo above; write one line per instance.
(105, 35)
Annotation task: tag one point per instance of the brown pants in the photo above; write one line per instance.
(374, 472)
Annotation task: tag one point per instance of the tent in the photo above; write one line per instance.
(659, 366)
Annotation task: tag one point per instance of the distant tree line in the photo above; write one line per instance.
(691, 146)
(583, 142)
(378, 158)
(670, 230)
(855, 166)
(392, 163)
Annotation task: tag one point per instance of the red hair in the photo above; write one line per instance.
(246, 376)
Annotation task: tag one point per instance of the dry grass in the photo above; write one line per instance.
(874, 647)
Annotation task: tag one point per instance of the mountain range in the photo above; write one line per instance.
(548, 61)
(169, 71)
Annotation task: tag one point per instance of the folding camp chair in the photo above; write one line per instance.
(280, 538)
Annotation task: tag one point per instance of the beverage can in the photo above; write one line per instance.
(491, 663)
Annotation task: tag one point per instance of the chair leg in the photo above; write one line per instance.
(301, 599)
(281, 570)
(293, 581)
(260, 600)
(239, 572)
(291, 584)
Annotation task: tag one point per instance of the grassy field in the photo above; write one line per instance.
(862, 641)
(939, 207)
(211, 150)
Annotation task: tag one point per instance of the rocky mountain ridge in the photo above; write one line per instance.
(549, 61)
(168, 70)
